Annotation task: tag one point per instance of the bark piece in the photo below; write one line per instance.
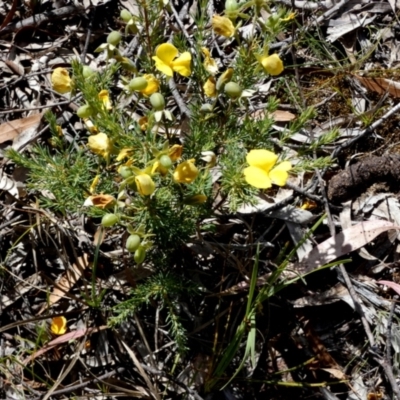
(350, 183)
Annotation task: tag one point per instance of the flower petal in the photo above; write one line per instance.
(186, 172)
(175, 152)
(272, 64)
(182, 64)
(257, 177)
(152, 85)
(58, 325)
(279, 174)
(100, 144)
(105, 98)
(210, 89)
(162, 67)
(222, 26)
(263, 159)
(145, 185)
(61, 81)
(166, 52)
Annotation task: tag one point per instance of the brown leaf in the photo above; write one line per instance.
(381, 85)
(283, 116)
(324, 358)
(11, 129)
(68, 280)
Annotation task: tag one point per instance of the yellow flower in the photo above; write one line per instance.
(58, 325)
(175, 152)
(209, 63)
(210, 87)
(308, 204)
(158, 167)
(102, 201)
(164, 58)
(100, 144)
(223, 26)
(186, 172)
(94, 184)
(59, 131)
(143, 123)
(210, 158)
(152, 85)
(124, 153)
(289, 17)
(90, 126)
(105, 98)
(272, 64)
(145, 184)
(61, 81)
(262, 172)
(224, 78)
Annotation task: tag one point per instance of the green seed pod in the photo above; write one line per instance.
(206, 108)
(125, 15)
(138, 83)
(125, 172)
(139, 255)
(166, 161)
(84, 111)
(109, 220)
(157, 101)
(87, 71)
(233, 90)
(114, 38)
(132, 243)
(231, 5)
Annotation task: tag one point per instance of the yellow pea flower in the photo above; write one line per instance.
(94, 184)
(61, 81)
(167, 63)
(158, 167)
(145, 185)
(152, 85)
(105, 98)
(210, 87)
(289, 17)
(209, 63)
(100, 144)
(210, 158)
(102, 201)
(143, 123)
(186, 172)
(223, 26)
(124, 153)
(175, 152)
(224, 78)
(308, 204)
(58, 325)
(262, 172)
(272, 64)
(90, 126)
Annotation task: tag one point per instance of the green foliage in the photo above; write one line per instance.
(166, 289)
(60, 180)
(118, 155)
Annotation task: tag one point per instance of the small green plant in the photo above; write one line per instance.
(141, 174)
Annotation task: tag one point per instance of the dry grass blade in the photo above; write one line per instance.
(142, 372)
(64, 285)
